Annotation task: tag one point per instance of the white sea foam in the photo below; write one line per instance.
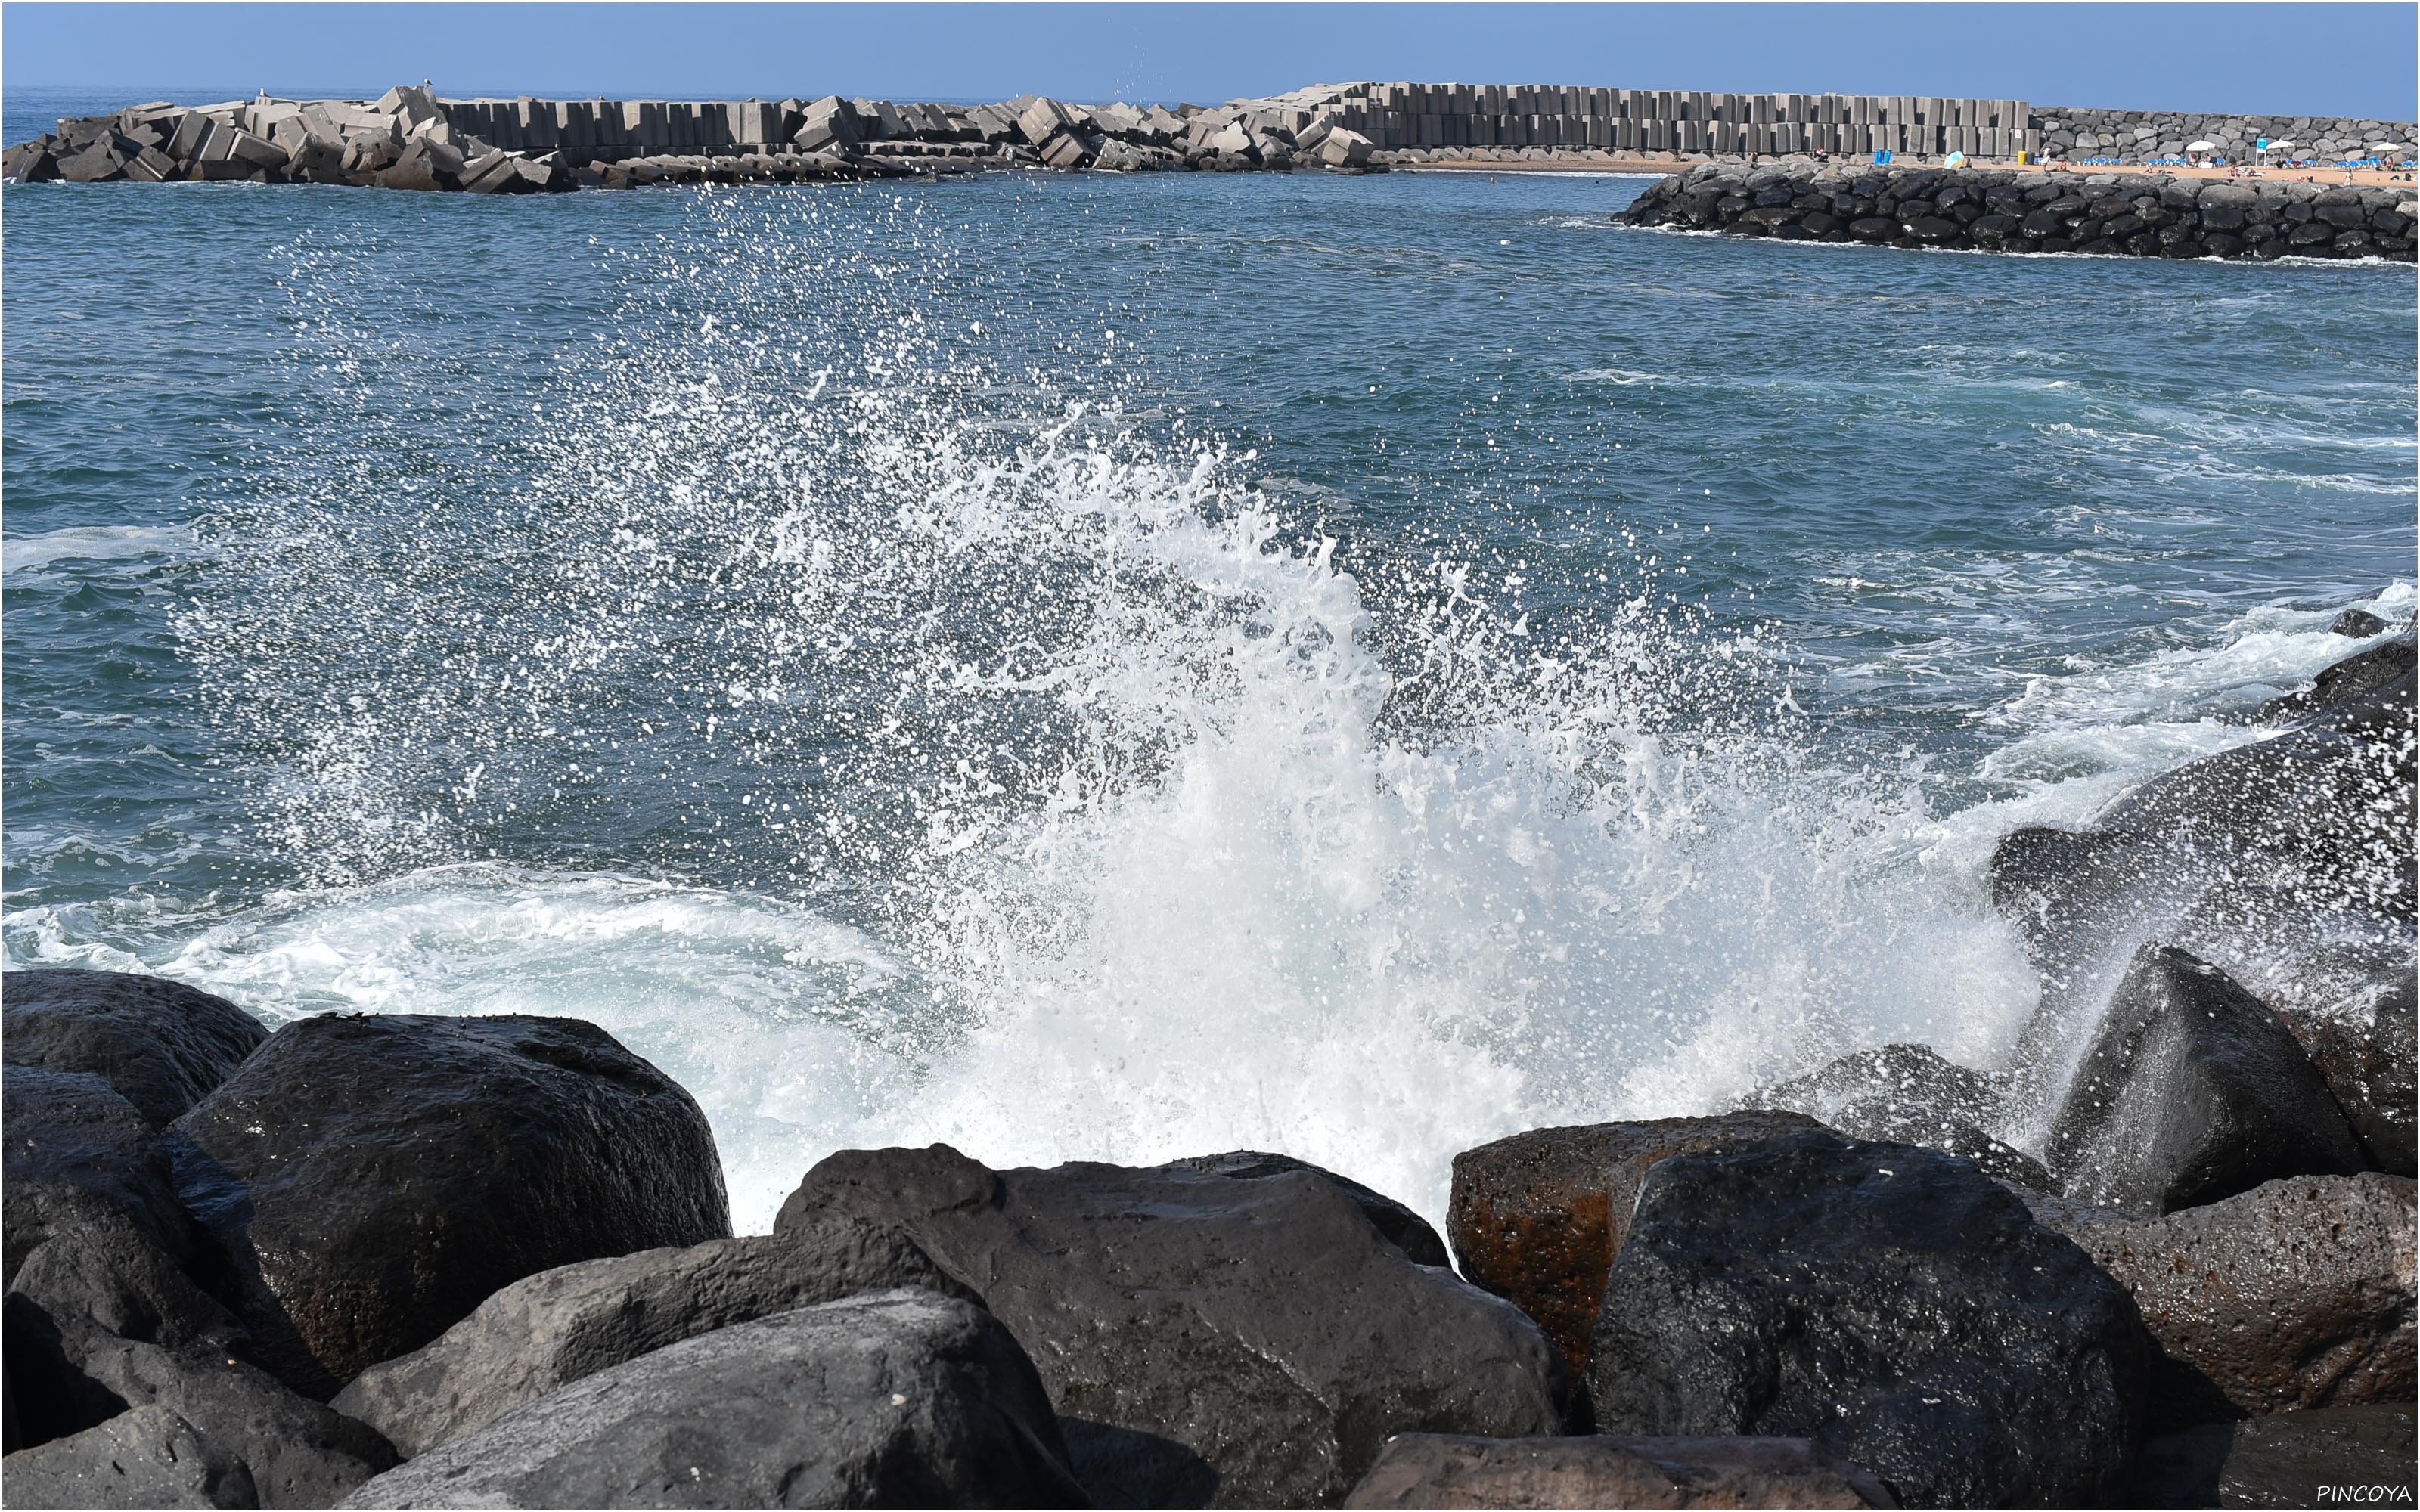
(1087, 807)
(91, 543)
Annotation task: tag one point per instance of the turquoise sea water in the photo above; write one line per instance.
(1121, 668)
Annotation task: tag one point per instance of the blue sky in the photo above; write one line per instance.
(2288, 59)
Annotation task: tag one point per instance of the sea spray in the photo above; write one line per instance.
(901, 731)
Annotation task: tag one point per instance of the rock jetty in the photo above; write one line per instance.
(402, 1260)
(1977, 210)
(412, 138)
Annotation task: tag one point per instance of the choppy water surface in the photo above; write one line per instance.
(1125, 668)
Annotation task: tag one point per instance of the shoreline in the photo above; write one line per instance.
(412, 138)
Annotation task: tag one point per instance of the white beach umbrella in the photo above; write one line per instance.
(2201, 147)
(2386, 147)
(2281, 146)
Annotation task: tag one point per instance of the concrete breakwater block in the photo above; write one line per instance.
(1994, 211)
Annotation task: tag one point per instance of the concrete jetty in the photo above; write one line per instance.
(2144, 215)
(413, 138)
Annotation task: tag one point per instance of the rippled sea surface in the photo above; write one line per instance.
(1120, 668)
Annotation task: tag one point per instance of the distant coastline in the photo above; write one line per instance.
(413, 138)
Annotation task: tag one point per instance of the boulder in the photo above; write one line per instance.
(2359, 623)
(2191, 1090)
(2356, 676)
(559, 1326)
(92, 1223)
(1407, 1230)
(1208, 1339)
(1439, 1470)
(161, 1044)
(2331, 1455)
(894, 1398)
(1891, 1303)
(2365, 1049)
(2296, 1294)
(366, 1181)
(1537, 1218)
(1906, 1094)
(148, 1457)
(294, 1451)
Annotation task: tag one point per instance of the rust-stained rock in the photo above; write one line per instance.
(2296, 1294)
(1538, 1217)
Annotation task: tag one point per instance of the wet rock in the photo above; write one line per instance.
(1891, 1303)
(367, 1181)
(2191, 1090)
(2296, 1294)
(897, 1399)
(161, 1044)
(148, 1457)
(1907, 1094)
(559, 1326)
(2360, 624)
(1407, 1230)
(1208, 1339)
(2365, 1049)
(295, 1452)
(2357, 676)
(2331, 1455)
(1436, 1470)
(1537, 1218)
(92, 1222)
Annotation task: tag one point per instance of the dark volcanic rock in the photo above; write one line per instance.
(2191, 1090)
(2357, 676)
(1906, 1094)
(2365, 1051)
(2283, 1461)
(162, 1044)
(145, 1459)
(1889, 1302)
(93, 1227)
(558, 1326)
(895, 1399)
(1437, 1469)
(1409, 1232)
(2360, 624)
(294, 1451)
(2295, 1294)
(368, 1181)
(1246, 1342)
(1538, 1217)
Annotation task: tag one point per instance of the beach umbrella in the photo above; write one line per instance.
(2387, 147)
(2201, 147)
(1955, 160)
(2281, 146)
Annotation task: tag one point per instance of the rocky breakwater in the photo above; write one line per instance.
(2164, 1258)
(412, 138)
(1989, 211)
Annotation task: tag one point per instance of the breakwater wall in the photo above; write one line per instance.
(2144, 215)
(413, 138)
(2072, 134)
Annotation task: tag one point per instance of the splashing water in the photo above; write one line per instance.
(899, 736)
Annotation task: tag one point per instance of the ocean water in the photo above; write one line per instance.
(1106, 668)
